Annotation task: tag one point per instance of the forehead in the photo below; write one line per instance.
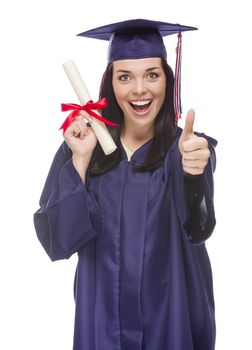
(137, 64)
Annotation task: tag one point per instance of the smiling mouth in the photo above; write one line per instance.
(140, 105)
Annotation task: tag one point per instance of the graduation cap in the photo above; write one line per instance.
(141, 38)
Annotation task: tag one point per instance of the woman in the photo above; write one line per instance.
(138, 218)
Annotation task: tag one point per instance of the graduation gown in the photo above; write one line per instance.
(143, 279)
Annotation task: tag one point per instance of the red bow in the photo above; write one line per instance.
(88, 107)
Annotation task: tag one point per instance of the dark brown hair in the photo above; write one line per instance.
(164, 127)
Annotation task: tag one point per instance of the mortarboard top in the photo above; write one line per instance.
(142, 38)
(136, 38)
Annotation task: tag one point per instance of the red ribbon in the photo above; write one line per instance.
(88, 107)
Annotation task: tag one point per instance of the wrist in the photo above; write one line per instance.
(81, 164)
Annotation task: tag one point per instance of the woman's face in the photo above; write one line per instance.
(139, 87)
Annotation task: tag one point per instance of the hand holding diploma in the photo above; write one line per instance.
(97, 125)
(82, 140)
(79, 137)
(194, 149)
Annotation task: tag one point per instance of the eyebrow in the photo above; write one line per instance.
(128, 71)
(152, 68)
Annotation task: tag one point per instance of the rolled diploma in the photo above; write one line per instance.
(99, 128)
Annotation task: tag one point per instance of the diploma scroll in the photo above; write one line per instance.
(99, 128)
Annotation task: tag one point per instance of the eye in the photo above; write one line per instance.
(152, 76)
(124, 77)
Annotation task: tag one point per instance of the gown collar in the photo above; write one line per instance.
(140, 154)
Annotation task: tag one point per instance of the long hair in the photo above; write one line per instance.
(164, 127)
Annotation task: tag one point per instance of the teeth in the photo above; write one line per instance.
(140, 103)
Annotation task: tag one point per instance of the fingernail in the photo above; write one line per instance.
(90, 119)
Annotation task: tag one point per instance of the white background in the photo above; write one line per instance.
(36, 304)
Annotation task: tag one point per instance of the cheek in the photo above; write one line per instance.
(162, 92)
(116, 92)
(160, 95)
(120, 93)
(158, 89)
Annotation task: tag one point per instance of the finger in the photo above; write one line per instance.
(194, 144)
(82, 117)
(190, 163)
(188, 128)
(78, 128)
(83, 128)
(72, 130)
(193, 171)
(86, 116)
(197, 155)
(194, 163)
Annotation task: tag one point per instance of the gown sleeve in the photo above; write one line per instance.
(68, 217)
(194, 196)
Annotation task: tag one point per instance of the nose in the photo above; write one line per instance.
(139, 87)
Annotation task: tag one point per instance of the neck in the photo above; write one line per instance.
(134, 138)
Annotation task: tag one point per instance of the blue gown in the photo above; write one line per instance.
(143, 279)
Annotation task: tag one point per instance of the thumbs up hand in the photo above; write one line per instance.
(194, 149)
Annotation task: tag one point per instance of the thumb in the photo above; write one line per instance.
(188, 128)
